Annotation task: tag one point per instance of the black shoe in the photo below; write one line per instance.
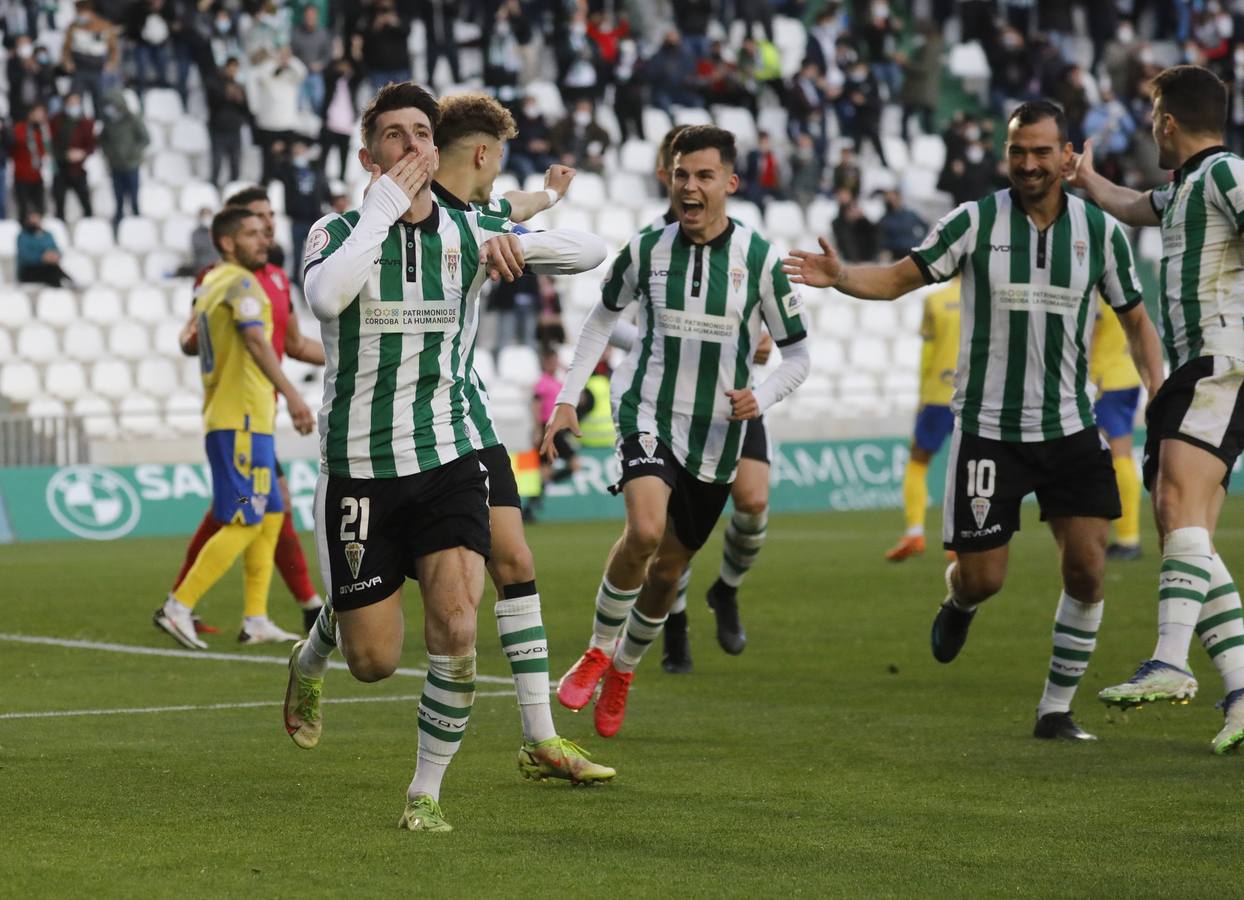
(308, 619)
(677, 657)
(1125, 552)
(1060, 725)
(950, 631)
(723, 600)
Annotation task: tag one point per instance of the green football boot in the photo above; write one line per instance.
(560, 758)
(423, 813)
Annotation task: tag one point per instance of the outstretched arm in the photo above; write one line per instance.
(525, 204)
(1128, 206)
(824, 269)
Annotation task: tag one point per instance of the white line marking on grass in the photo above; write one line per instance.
(141, 710)
(200, 654)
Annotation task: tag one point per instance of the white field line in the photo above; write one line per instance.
(258, 704)
(201, 654)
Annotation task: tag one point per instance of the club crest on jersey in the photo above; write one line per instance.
(1081, 248)
(317, 240)
(259, 502)
(736, 278)
(980, 511)
(648, 443)
(354, 557)
(451, 261)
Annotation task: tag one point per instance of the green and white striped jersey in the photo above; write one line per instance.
(699, 318)
(1202, 272)
(399, 356)
(1027, 312)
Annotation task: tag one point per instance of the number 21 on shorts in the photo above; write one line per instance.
(982, 479)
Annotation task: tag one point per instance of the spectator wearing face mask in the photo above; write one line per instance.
(854, 235)
(763, 173)
(73, 140)
(847, 175)
(922, 78)
(38, 256)
(670, 73)
(227, 111)
(531, 151)
(900, 228)
(1120, 62)
(31, 142)
(578, 62)
(146, 28)
(340, 112)
(272, 93)
(438, 18)
(306, 194)
(312, 44)
(267, 33)
(574, 136)
(807, 170)
(124, 140)
(972, 175)
(32, 77)
(202, 250)
(90, 52)
(864, 97)
(1111, 127)
(503, 61)
(384, 47)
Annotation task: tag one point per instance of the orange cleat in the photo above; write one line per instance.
(575, 689)
(611, 705)
(910, 545)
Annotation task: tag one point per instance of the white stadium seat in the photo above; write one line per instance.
(46, 407)
(692, 115)
(518, 366)
(911, 312)
(639, 157)
(128, 340)
(195, 196)
(14, 309)
(821, 214)
(276, 196)
(120, 270)
(740, 122)
(858, 393)
(827, 354)
(146, 304)
(138, 234)
(484, 367)
(895, 153)
(93, 236)
(615, 225)
(97, 416)
(111, 378)
(928, 151)
(37, 342)
(189, 136)
(745, 211)
(784, 218)
(6, 344)
(656, 122)
(172, 168)
(176, 231)
(102, 305)
(59, 231)
(83, 341)
(161, 264)
(191, 374)
(167, 337)
(837, 318)
(867, 354)
(628, 189)
(588, 189)
(9, 229)
(157, 376)
(879, 318)
(64, 379)
(156, 200)
(162, 105)
(573, 217)
(56, 306)
(79, 267)
(96, 170)
(184, 412)
(140, 415)
(906, 351)
(19, 381)
(549, 97)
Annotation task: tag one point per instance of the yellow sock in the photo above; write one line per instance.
(1127, 528)
(915, 494)
(259, 565)
(214, 561)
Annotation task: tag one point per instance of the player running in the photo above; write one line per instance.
(402, 493)
(939, 329)
(1196, 422)
(1118, 393)
(703, 286)
(287, 340)
(1032, 259)
(471, 138)
(239, 369)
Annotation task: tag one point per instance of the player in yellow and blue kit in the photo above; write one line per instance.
(239, 370)
(934, 420)
(1118, 393)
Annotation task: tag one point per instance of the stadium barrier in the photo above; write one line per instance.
(42, 440)
(101, 503)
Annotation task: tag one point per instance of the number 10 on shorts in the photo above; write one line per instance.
(982, 478)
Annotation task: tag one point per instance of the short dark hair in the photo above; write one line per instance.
(463, 115)
(1196, 97)
(665, 153)
(706, 137)
(399, 95)
(227, 223)
(246, 196)
(1033, 111)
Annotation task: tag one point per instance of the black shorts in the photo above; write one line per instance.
(694, 507)
(502, 485)
(755, 441)
(987, 480)
(370, 531)
(1202, 403)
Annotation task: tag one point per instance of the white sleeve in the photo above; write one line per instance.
(624, 335)
(790, 373)
(593, 340)
(562, 251)
(332, 282)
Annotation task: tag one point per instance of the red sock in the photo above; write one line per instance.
(208, 527)
(291, 562)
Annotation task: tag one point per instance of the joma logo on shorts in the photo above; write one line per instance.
(359, 585)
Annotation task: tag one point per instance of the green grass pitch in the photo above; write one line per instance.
(833, 758)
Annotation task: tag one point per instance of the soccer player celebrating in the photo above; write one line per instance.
(239, 370)
(287, 340)
(1118, 392)
(1032, 259)
(1196, 422)
(939, 330)
(402, 493)
(703, 286)
(471, 138)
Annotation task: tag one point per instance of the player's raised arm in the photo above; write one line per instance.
(339, 258)
(1126, 205)
(525, 204)
(824, 269)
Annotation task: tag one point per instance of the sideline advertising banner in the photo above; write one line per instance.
(87, 502)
